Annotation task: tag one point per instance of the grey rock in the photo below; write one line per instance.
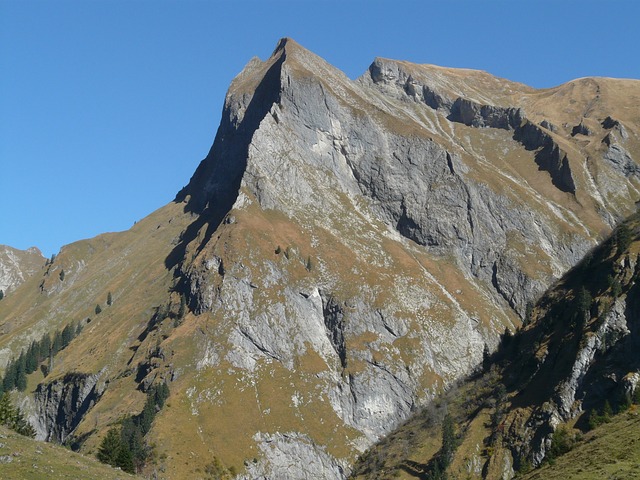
(549, 156)
(612, 124)
(621, 161)
(475, 115)
(278, 449)
(549, 126)
(581, 129)
(18, 265)
(61, 404)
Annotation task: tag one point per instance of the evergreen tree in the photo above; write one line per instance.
(528, 314)
(145, 419)
(6, 410)
(110, 447)
(183, 306)
(486, 358)
(161, 393)
(98, 309)
(109, 299)
(583, 305)
(624, 237)
(21, 373)
(9, 380)
(79, 328)
(124, 459)
(67, 335)
(13, 417)
(31, 360)
(45, 348)
(449, 443)
(1, 294)
(56, 345)
(62, 275)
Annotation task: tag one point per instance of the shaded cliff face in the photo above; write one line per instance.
(345, 251)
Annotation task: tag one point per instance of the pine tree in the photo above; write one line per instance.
(110, 447)
(98, 309)
(624, 237)
(21, 373)
(67, 335)
(583, 305)
(1, 294)
(486, 358)
(45, 348)
(448, 442)
(10, 374)
(183, 306)
(13, 417)
(56, 345)
(147, 415)
(109, 299)
(161, 393)
(6, 410)
(62, 275)
(31, 360)
(528, 314)
(124, 459)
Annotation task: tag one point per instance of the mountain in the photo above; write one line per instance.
(18, 265)
(568, 370)
(347, 250)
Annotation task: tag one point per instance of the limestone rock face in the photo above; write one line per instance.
(61, 404)
(18, 265)
(365, 239)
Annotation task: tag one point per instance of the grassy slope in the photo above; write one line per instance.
(33, 460)
(610, 451)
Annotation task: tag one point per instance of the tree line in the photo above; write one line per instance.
(124, 446)
(39, 354)
(13, 418)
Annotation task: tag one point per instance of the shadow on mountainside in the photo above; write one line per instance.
(214, 187)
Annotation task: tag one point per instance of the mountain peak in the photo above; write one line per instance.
(284, 44)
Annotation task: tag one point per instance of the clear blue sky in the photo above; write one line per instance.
(107, 107)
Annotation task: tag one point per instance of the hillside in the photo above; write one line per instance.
(578, 351)
(347, 250)
(24, 459)
(610, 451)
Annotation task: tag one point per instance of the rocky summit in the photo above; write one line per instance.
(347, 250)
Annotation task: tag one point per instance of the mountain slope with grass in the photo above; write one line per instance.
(22, 458)
(347, 250)
(552, 396)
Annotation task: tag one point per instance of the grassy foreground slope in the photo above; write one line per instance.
(610, 451)
(23, 458)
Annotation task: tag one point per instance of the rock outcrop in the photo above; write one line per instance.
(18, 265)
(61, 405)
